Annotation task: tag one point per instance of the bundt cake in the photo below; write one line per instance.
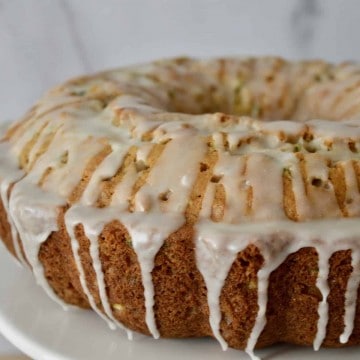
(191, 198)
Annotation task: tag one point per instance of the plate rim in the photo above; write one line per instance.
(39, 350)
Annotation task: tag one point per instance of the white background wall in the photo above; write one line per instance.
(43, 42)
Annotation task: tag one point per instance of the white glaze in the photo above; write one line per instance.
(93, 222)
(105, 170)
(166, 176)
(35, 220)
(147, 239)
(9, 173)
(351, 297)
(71, 222)
(322, 284)
(4, 189)
(214, 267)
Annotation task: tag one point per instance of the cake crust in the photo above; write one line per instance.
(180, 292)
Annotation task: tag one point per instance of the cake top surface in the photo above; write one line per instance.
(203, 138)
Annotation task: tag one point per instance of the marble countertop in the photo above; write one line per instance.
(43, 42)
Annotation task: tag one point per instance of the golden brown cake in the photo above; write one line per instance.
(188, 198)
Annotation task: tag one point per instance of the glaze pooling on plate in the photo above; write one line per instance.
(142, 131)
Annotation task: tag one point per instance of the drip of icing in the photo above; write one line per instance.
(260, 322)
(35, 218)
(70, 224)
(33, 212)
(214, 267)
(323, 308)
(351, 297)
(93, 221)
(4, 189)
(147, 239)
(272, 259)
(9, 173)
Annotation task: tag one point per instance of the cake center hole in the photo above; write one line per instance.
(264, 95)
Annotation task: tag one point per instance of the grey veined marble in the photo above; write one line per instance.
(43, 42)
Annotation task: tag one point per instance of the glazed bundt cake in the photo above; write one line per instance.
(173, 200)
